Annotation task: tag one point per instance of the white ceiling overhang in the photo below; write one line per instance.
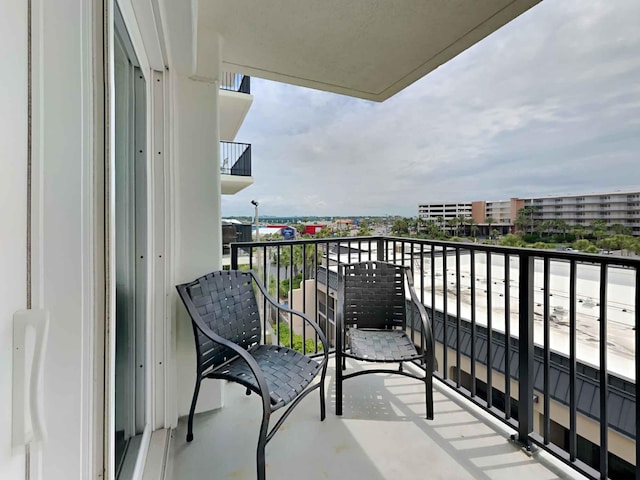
(363, 48)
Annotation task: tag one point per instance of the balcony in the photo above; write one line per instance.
(235, 82)
(235, 100)
(235, 167)
(519, 337)
(382, 435)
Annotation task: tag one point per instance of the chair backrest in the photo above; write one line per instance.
(225, 302)
(374, 295)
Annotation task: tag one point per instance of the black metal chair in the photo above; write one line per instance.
(227, 329)
(372, 324)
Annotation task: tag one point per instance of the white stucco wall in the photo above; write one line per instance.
(195, 158)
(198, 236)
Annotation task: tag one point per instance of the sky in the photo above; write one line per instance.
(549, 104)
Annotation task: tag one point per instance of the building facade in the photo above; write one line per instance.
(443, 212)
(612, 208)
(576, 210)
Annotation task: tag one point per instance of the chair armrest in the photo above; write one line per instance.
(427, 326)
(241, 352)
(280, 306)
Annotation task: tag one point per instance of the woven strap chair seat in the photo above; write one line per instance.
(286, 371)
(382, 345)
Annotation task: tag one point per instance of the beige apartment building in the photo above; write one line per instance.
(613, 208)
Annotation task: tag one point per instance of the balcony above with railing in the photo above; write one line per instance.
(235, 101)
(235, 167)
(235, 82)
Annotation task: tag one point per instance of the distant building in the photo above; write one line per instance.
(441, 212)
(310, 229)
(613, 208)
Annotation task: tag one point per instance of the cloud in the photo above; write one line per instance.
(548, 104)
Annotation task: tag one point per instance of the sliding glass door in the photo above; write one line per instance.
(130, 253)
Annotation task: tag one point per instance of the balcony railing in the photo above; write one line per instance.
(563, 328)
(236, 82)
(235, 158)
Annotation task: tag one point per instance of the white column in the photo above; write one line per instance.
(198, 217)
(13, 211)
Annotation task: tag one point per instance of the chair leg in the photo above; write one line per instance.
(428, 385)
(323, 410)
(262, 443)
(339, 361)
(192, 410)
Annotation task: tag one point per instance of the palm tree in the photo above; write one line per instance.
(579, 232)
(598, 228)
(433, 230)
(462, 220)
(452, 224)
(526, 218)
(620, 229)
(470, 222)
(562, 227)
(489, 220)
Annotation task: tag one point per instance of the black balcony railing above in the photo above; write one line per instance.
(563, 327)
(235, 159)
(236, 82)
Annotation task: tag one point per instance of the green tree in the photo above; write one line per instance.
(400, 226)
(452, 224)
(579, 232)
(598, 228)
(431, 230)
(462, 222)
(620, 229)
(285, 338)
(511, 240)
(562, 227)
(586, 246)
(542, 245)
(301, 255)
(526, 220)
(364, 228)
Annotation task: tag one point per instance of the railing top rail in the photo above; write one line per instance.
(498, 249)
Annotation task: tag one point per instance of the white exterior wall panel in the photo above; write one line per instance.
(13, 213)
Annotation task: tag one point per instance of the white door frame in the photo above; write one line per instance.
(157, 228)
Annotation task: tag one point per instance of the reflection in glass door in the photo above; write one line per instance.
(130, 253)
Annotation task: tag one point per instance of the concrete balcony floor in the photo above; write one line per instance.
(382, 435)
